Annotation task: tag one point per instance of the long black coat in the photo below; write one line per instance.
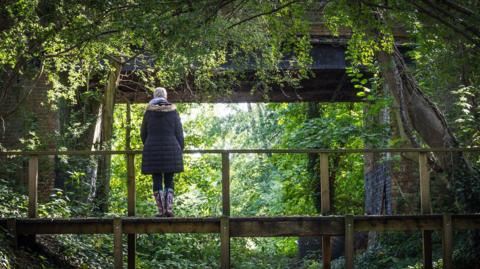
(162, 137)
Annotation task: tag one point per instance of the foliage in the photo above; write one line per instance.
(86, 250)
(211, 46)
(396, 250)
(338, 126)
(440, 55)
(214, 42)
(269, 185)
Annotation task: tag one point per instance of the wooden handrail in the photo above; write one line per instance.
(240, 151)
(247, 226)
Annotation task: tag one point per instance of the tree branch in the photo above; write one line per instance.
(263, 13)
(444, 22)
(455, 18)
(459, 8)
(387, 7)
(81, 43)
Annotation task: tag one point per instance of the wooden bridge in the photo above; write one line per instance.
(228, 226)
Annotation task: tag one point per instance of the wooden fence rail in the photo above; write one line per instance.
(227, 226)
(250, 227)
(240, 151)
(246, 226)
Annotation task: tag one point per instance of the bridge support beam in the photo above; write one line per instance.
(325, 207)
(32, 186)
(447, 240)
(32, 197)
(425, 203)
(117, 244)
(131, 245)
(225, 219)
(349, 242)
(12, 229)
(224, 242)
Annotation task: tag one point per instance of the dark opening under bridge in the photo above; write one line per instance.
(228, 226)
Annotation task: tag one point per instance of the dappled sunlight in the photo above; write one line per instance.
(240, 134)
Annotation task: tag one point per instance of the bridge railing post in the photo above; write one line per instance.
(117, 244)
(12, 229)
(447, 240)
(32, 195)
(224, 242)
(32, 186)
(426, 208)
(325, 207)
(224, 221)
(131, 245)
(225, 184)
(349, 242)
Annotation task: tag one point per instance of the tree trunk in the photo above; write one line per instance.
(102, 184)
(420, 114)
(416, 110)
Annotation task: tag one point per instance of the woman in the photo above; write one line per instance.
(162, 137)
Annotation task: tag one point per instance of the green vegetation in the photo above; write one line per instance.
(261, 185)
(420, 89)
(278, 184)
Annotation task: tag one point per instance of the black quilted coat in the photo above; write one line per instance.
(162, 137)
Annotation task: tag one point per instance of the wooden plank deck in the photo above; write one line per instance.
(243, 226)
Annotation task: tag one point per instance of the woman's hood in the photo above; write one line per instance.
(160, 104)
(162, 108)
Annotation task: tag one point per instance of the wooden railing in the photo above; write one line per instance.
(227, 226)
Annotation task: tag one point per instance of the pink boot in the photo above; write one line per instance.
(160, 200)
(169, 204)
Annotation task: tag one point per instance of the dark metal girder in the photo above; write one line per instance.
(329, 84)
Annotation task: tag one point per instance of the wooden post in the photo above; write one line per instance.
(131, 238)
(224, 221)
(117, 243)
(349, 242)
(427, 249)
(12, 229)
(324, 184)
(325, 207)
(425, 203)
(128, 127)
(224, 242)
(105, 160)
(131, 184)
(131, 245)
(425, 199)
(447, 241)
(32, 186)
(131, 249)
(225, 184)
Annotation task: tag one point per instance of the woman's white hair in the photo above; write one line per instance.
(160, 92)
